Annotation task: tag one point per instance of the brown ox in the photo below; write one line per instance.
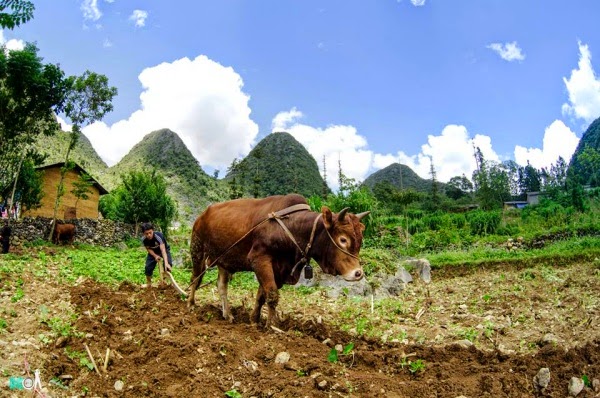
(268, 250)
(64, 232)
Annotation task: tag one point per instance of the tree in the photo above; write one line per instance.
(81, 188)
(88, 99)
(21, 12)
(492, 182)
(141, 196)
(459, 187)
(31, 93)
(529, 180)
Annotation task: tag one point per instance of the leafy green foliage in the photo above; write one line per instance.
(141, 197)
(21, 12)
(31, 92)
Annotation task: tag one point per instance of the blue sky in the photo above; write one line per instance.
(367, 83)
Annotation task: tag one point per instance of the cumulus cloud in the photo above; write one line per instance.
(337, 143)
(508, 51)
(138, 17)
(12, 44)
(559, 140)
(90, 10)
(418, 3)
(107, 43)
(584, 89)
(199, 99)
(452, 153)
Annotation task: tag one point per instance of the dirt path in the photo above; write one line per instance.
(473, 334)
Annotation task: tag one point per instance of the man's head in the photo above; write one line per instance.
(148, 230)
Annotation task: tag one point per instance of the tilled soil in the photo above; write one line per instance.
(158, 348)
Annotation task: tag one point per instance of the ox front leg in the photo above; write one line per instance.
(222, 283)
(263, 268)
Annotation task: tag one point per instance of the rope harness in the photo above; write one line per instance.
(278, 216)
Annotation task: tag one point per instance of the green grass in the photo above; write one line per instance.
(585, 248)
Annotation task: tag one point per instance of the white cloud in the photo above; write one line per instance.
(199, 99)
(418, 3)
(508, 51)
(107, 43)
(139, 17)
(109, 1)
(90, 10)
(452, 153)
(584, 89)
(12, 44)
(559, 140)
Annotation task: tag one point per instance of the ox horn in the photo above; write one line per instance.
(343, 214)
(363, 214)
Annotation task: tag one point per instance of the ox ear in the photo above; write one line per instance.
(327, 217)
(361, 215)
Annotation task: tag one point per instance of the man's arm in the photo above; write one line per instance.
(163, 250)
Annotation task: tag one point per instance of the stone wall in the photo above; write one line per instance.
(87, 230)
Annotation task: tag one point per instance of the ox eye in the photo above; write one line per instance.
(343, 241)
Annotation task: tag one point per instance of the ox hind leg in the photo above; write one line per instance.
(199, 268)
(222, 283)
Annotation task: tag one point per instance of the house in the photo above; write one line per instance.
(533, 198)
(69, 206)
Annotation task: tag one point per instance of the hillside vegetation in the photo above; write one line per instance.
(163, 151)
(277, 165)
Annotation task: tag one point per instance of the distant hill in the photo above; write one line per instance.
(84, 153)
(591, 138)
(278, 164)
(187, 183)
(401, 177)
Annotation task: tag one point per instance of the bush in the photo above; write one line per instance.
(484, 222)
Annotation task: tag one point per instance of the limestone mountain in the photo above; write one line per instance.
(591, 140)
(84, 154)
(187, 183)
(277, 165)
(400, 176)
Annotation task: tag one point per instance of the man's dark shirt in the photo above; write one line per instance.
(154, 243)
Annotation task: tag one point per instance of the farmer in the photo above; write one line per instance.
(5, 232)
(158, 249)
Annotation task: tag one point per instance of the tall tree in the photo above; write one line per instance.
(31, 92)
(89, 98)
(529, 180)
(15, 12)
(492, 182)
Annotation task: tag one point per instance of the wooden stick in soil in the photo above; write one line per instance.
(106, 360)
(91, 358)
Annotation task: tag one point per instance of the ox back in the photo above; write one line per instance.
(239, 236)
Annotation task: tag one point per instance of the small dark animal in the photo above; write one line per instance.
(63, 232)
(243, 235)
